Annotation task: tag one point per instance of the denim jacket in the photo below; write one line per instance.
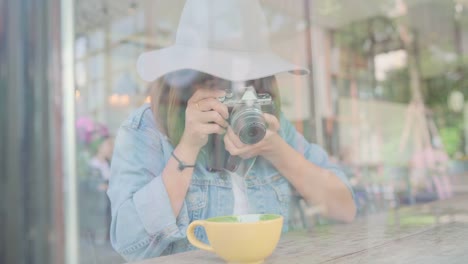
(143, 223)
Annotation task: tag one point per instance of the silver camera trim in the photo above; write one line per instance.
(249, 96)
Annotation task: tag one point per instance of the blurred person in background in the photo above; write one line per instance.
(95, 157)
(100, 162)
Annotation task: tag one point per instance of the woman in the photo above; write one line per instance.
(160, 175)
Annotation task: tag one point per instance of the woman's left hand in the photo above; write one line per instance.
(268, 145)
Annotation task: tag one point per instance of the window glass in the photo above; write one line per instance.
(386, 99)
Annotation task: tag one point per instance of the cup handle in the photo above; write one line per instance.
(193, 239)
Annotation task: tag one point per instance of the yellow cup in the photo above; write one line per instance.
(239, 239)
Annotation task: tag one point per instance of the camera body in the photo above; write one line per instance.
(246, 109)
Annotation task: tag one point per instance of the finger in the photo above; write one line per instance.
(209, 104)
(273, 123)
(203, 93)
(245, 152)
(234, 138)
(230, 147)
(212, 129)
(247, 155)
(213, 116)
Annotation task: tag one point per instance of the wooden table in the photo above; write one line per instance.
(431, 233)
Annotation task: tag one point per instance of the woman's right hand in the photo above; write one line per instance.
(204, 115)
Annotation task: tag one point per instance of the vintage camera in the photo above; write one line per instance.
(246, 109)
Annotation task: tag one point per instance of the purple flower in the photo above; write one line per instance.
(87, 130)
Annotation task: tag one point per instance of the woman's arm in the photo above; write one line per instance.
(305, 165)
(177, 182)
(143, 222)
(319, 186)
(204, 116)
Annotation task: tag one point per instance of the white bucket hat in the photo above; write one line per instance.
(224, 38)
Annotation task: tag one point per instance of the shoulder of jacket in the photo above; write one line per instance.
(142, 118)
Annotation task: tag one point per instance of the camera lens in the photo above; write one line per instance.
(248, 123)
(252, 133)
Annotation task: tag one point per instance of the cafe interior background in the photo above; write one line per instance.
(387, 97)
